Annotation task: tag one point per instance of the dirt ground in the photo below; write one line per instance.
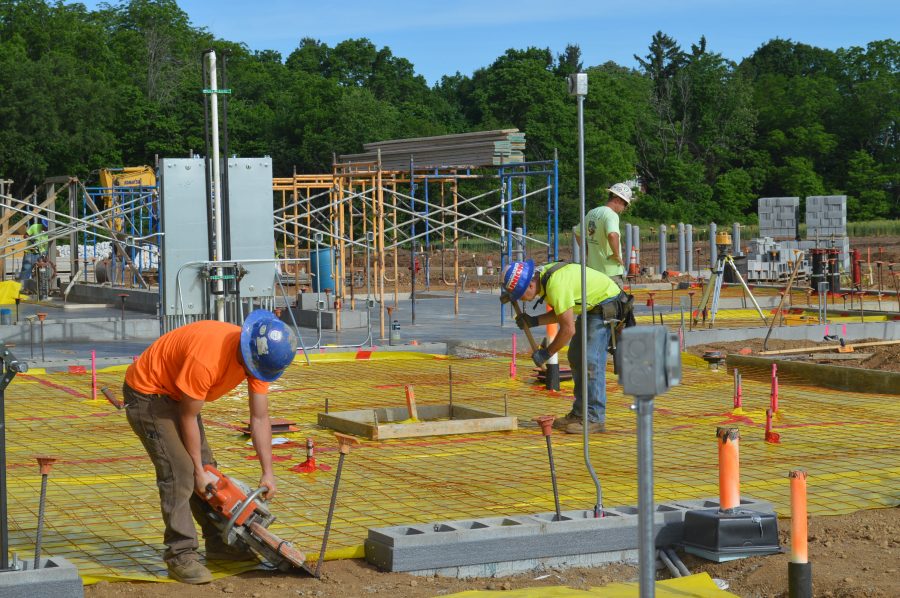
(883, 357)
(852, 556)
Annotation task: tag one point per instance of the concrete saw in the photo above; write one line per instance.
(243, 519)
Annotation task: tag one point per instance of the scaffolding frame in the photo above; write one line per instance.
(360, 205)
(123, 216)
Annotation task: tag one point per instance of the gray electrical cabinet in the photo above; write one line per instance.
(251, 217)
(186, 232)
(185, 235)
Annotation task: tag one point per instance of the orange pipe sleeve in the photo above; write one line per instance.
(552, 329)
(729, 468)
(799, 531)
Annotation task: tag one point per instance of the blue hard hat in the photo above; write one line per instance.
(44, 223)
(517, 277)
(268, 346)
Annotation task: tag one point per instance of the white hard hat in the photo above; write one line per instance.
(621, 190)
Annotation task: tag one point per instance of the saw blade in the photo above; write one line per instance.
(279, 547)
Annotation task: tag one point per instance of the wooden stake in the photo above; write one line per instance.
(411, 402)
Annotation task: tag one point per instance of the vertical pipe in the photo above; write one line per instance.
(713, 250)
(4, 516)
(379, 218)
(646, 543)
(216, 179)
(736, 239)
(681, 260)
(628, 244)
(799, 568)
(412, 244)
(555, 255)
(729, 468)
(689, 246)
(636, 240)
(582, 320)
(93, 375)
(662, 249)
(456, 284)
(551, 381)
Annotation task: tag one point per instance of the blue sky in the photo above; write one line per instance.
(462, 35)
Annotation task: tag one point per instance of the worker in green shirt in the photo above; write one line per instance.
(36, 243)
(560, 285)
(603, 243)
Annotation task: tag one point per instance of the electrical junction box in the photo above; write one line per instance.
(578, 84)
(732, 534)
(649, 360)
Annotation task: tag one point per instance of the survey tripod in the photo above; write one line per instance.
(714, 289)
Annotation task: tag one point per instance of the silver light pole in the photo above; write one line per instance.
(578, 85)
(216, 181)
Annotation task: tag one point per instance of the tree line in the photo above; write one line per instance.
(82, 90)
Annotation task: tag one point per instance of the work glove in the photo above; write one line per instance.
(540, 357)
(523, 320)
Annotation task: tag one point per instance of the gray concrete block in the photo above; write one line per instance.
(516, 538)
(56, 578)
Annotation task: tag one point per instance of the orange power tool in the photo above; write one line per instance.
(243, 519)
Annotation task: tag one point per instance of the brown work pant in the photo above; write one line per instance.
(154, 418)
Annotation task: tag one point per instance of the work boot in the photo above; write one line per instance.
(186, 568)
(217, 550)
(577, 428)
(561, 423)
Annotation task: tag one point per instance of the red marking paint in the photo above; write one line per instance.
(771, 437)
(363, 354)
(77, 369)
(49, 384)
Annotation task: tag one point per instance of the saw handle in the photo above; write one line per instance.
(240, 509)
(534, 346)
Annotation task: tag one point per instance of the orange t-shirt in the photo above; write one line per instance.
(198, 360)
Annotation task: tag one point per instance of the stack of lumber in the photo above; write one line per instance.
(483, 148)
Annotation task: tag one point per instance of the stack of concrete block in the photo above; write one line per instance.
(433, 547)
(826, 216)
(778, 217)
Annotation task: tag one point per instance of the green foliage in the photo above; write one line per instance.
(81, 89)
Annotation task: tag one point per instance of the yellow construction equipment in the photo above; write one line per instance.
(129, 176)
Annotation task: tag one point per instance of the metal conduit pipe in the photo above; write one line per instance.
(676, 560)
(578, 86)
(661, 553)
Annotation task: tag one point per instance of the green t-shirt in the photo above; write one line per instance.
(564, 288)
(36, 232)
(600, 222)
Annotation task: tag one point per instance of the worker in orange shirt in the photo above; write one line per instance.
(165, 390)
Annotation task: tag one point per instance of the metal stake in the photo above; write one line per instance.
(451, 390)
(45, 464)
(345, 443)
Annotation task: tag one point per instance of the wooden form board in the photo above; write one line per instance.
(466, 420)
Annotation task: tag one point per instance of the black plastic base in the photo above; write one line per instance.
(551, 378)
(800, 580)
(721, 536)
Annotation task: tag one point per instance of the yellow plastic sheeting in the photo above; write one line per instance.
(9, 290)
(103, 506)
(700, 585)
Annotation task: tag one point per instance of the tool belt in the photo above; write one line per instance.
(620, 308)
